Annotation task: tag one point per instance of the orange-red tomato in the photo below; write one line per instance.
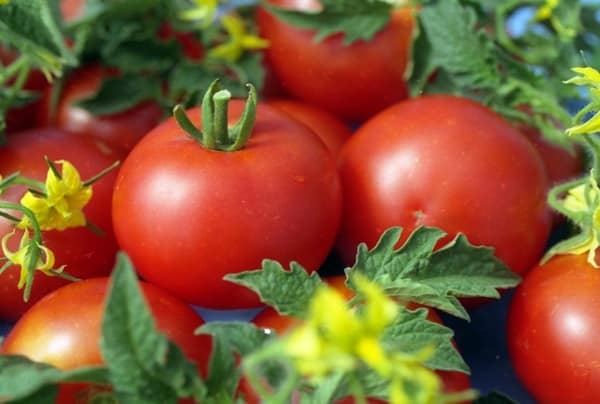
(332, 131)
(188, 215)
(64, 329)
(353, 82)
(123, 129)
(447, 162)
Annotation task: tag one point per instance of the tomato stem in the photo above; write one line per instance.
(34, 248)
(216, 134)
(220, 126)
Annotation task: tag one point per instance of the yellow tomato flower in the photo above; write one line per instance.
(584, 201)
(62, 205)
(546, 11)
(336, 338)
(239, 40)
(21, 257)
(204, 11)
(589, 77)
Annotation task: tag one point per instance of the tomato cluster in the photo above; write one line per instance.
(340, 154)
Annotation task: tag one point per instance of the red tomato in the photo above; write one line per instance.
(187, 215)
(71, 9)
(122, 129)
(447, 162)
(332, 131)
(64, 328)
(561, 164)
(553, 326)
(84, 253)
(270, 319)
(353, 81)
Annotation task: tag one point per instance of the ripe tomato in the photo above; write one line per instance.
(64, 329)
(270, 319)
(447, 162)
(122, 129)
(84, 253)
(561, 164)
(332, 131)
(187, 215)
(553, 326)
(354, 81)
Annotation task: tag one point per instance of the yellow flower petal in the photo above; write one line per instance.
(592, 125)
(62, 206)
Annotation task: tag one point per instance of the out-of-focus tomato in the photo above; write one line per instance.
(332, 131)
(64, 329)
(122, 129)
(353, 82)
(553, 326)
(446, 162)
(188, 215)
(561, 164)
(84, 253)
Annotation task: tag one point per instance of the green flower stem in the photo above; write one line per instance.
(216, 133)
(101, 174)
(16, 178)
(251, 365)
(356, 389)
(34, 250)
(593, 143)
(555, 201)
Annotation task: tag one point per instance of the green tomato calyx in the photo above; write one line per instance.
(216, 134)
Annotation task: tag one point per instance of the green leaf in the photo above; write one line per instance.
(33, 27)
(412, 332)
(416, 272)
(22, 379)
(356, 19)
(121, 93)
(230, 339)
(494, 397)
(288, 292)
(469, 62)
(457, 46)
(144, 365)
(143, 55)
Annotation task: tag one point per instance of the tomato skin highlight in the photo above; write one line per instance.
(84, 253)
(64, 329)
(552, 331)
(187, 215)
(332, 75)
(330, 129)
(447, 162)
(123, 129)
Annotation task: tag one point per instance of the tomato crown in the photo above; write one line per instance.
(216, 133)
